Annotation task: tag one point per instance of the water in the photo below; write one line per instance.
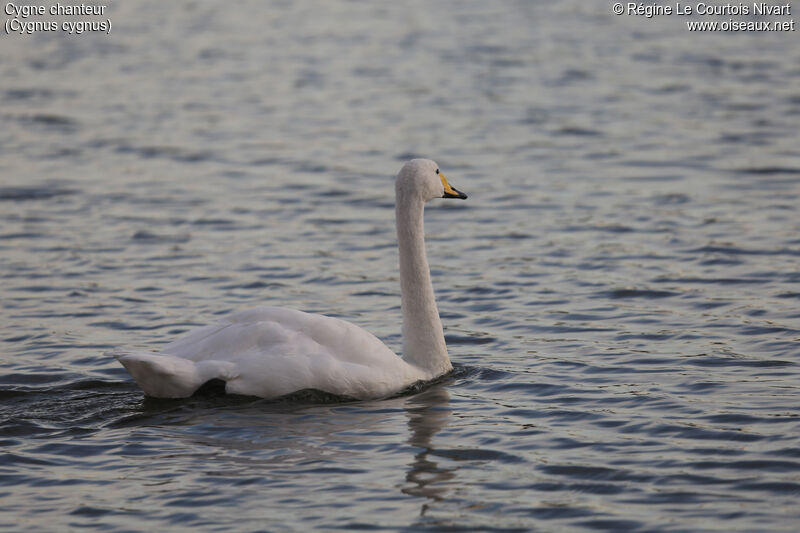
(620, 292)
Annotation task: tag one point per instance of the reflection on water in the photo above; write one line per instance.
(427, 413)
(619, 293)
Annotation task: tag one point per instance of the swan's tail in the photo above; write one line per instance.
(167, 376)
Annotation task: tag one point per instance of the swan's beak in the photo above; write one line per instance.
(451, 192)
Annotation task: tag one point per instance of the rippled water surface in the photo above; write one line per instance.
(620, 293)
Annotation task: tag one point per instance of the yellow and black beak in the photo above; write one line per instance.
(451, 192)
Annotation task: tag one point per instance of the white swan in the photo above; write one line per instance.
(273, 351)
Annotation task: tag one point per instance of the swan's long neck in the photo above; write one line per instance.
(423, 338)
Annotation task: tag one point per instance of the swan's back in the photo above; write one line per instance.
(273, 351)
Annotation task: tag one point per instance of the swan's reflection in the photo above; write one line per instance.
(427, 413)
(278, 438)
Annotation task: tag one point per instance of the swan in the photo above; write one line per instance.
(273, 351)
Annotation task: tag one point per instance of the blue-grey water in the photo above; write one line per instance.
(620, 293)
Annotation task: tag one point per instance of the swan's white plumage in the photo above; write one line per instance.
(273, 351)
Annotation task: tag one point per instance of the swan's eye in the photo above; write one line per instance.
(437, 170)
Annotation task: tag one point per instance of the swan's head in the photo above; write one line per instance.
(422, 178)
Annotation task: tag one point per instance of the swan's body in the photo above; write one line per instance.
(273, 351)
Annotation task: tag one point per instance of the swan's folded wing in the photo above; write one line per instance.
(270, 352)
(167, 376)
